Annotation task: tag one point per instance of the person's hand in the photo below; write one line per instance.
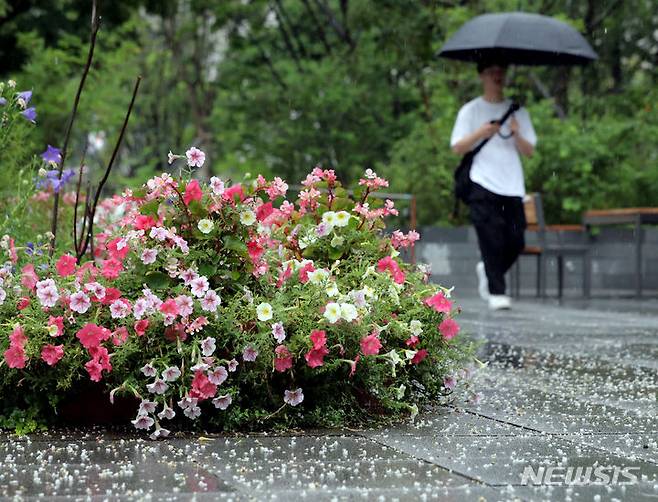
(514, 126)
(487, 130)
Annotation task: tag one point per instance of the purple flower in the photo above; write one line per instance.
(222, 402)
(24, 96)
(3, 101)
(30, 114)
(449, 382)
(293, 397)
(249, 354)
(52, 155)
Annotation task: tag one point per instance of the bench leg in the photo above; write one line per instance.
(541, 276)
(587, 275)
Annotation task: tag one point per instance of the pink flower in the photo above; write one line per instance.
(143, 222)
(263, 211)
(17, 337)
(249, 354)
(118, 248)
(208, 346)
(195, 157)
(97, 290)
(59, 322)
(141, 327)
(202, 388)
(23, 303)
(230, 193)
(51, 354)
(66, 265)
(390, 265)
(370, 345)
(29, 277)
(111, 294)
(255, 251)
(169, 307)
(120, 308)
(353, 365)
(15, 357)
(283, 359)
(278, 332)
(149, 255)
(303, 272)
(48, 296)
(211, 301)
(412, 341)
(439, 303)
(448, 328)
(293, 397)
(449, 382)
(319, 338)
(185, 305)
(199, 286)
(315, 357)
(119, 336)
(79, 302)
(192, 192)
(91, 335)
(111, 268)
(175, 332)
(419, 356)
(94, 369)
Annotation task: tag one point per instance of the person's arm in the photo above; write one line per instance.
(524, 146)
(465, 144)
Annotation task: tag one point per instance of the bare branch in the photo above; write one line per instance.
(342, 33)
(547, 95)
(95, 26)
(109, 169)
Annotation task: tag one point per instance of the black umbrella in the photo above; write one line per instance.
(518, 38)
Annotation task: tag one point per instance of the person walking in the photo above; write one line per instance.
(498, 187)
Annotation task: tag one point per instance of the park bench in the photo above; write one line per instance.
(553, 245)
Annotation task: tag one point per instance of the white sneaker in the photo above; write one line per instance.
(483, 282)
(500, 302)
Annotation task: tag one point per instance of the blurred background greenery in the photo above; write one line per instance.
(278, 86)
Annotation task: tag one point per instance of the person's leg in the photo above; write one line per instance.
(515, 225)
(490, 227)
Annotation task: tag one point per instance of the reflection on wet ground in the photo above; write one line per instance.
(566, 388)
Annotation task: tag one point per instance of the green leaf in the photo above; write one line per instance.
(235, 245)
(335, 254)
(150, 208)
(157, 280)
(197, 209)
(207, 269)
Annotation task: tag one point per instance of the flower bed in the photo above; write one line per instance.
(230, 306)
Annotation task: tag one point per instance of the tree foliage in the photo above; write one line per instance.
(277, 86)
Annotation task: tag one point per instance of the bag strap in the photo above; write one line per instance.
(512, 108)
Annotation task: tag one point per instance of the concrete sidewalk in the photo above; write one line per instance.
(566, 387)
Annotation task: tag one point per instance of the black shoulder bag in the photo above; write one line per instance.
(462, 174)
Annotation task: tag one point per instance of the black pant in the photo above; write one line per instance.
(500, 225)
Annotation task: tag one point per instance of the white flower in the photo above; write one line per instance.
(278, 332)
(48, 296)
(208, 346)
(332, 312)
(79, 302)
(199, 286)
(329, 219)
(332, 290)
(146, 407)
(158, 233)
(171, 157)
(318, 276)
(149, 370)
(195, 157)
(149, 255)
(205, 226)
(348, 312)
(143, 422)
(218, 376)
(192, 412)
(416, 327)
(293, 397)
(342, 219)
(368, 291)
(249, 354)
(167, 413)
(337, 241)
(247, 217)
(216, 185)
(171, 374)
(394, 357)
(96, 289)
(157, 387)
(222, 402)
(264, 312)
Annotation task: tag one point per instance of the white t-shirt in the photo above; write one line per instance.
(497, 166)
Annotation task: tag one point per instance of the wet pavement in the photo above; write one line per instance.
(569, 391)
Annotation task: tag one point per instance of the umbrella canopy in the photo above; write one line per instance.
(518, 38)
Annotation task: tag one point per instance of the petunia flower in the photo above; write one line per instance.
(293, 397)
